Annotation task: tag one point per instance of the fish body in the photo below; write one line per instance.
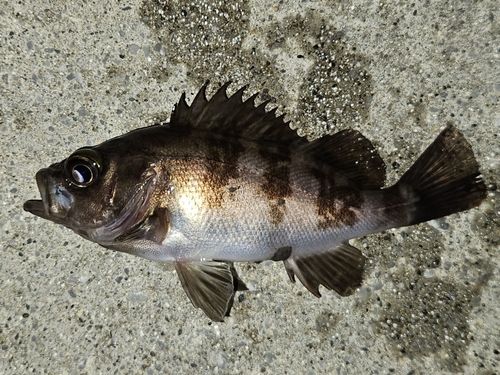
(225, 181)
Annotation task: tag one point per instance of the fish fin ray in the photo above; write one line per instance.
(351, 153)
(339, 269)
(154, 228)
(444, 180)
(210, 286)
(234, 116)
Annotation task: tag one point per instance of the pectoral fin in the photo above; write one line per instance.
(339, 269)
(154, 228)
(210, 286)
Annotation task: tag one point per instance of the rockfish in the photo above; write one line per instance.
(225, 181)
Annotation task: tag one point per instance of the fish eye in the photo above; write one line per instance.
(83, 167)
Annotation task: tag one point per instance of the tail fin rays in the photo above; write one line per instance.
(444, 180)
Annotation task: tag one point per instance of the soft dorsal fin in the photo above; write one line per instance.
(234, 116)
(350, 152)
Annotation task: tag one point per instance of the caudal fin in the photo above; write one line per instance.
(444, 180)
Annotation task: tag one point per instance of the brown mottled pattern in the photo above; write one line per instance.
(334, 202)
(276, 184)
(221, 166)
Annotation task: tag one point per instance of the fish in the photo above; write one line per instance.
(227, 181)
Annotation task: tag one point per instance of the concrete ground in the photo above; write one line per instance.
(77, 73)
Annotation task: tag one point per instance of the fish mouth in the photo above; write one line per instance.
(39, 207)
(55, 200)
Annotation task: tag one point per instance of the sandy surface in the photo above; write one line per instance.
(78, 73)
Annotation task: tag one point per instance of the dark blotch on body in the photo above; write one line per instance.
(334, 202)
(221, 166)
(276, 185)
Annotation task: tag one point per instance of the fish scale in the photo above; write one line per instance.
(225, 181)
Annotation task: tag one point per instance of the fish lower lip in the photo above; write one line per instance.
(35, 206)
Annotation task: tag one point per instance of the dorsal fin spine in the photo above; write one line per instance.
(233, 115)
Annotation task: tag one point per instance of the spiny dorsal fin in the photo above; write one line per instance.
(234, 116)
(350, 152)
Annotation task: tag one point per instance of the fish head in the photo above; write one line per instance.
(101, 193)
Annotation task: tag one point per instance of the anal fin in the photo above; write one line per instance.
(210, 286)
(339, 269)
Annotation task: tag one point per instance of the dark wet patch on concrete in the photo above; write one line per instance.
(425, 312)
(430, 319)
(336, 92)
(207, 39)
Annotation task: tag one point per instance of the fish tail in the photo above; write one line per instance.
(444, 180)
